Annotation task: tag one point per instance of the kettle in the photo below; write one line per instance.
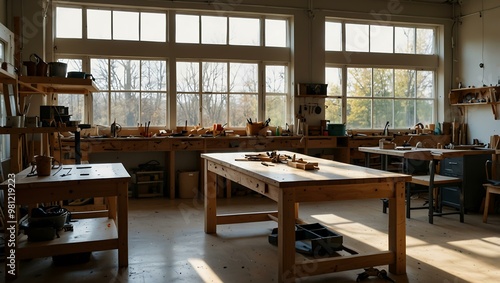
(115, 129)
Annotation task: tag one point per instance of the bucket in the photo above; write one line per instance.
(44, 164)
(41, 69)
(336, 129)
(30, 68)
(57, 69)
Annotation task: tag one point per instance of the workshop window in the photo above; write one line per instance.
(222, 30)
(364, 94)
(106, 24)
(333, 100)
(69, 22)
(276, 93)
(376, 38)
(276, 33)
(75, 102)
(4, 139)
(2, 51)
(222, 92)
(401, 96)
(132, 92)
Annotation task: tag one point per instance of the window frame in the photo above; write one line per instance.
(347, 59)
(172, 51)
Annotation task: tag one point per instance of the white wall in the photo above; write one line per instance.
(478, 41)
(3, 12)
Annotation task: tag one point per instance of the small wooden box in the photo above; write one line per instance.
(383, 144)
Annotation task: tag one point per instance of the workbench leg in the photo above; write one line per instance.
(287, 210)
(122, 224)
(210, 196)
(171, 156)
(16, 164)
(111, 205)
(397, 229)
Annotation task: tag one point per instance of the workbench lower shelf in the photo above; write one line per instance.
(88, 235)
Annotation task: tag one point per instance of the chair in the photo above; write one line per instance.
(433, 184)
(492, 187)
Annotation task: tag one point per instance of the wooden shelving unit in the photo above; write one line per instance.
(26, 85)
(16, 142)
(148, 183)
(47, 85)
(465, 97)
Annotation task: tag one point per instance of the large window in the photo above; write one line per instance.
(224, 92)
(228, 92)
(235, 67)
(401, 96)
(106, 24)
(375, 94)
(379, 38)
(223, 30)
(132, 92)
(333, 101)
(74, 102)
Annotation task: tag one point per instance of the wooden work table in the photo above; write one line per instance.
(103, 231)
(171, 146)
(289, 186)
(468, 165)
(439, 154)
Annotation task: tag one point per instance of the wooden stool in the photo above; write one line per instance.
(490, 189)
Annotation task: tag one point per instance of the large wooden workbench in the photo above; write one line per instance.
(289, 186)
(336, 146)
(343, 148)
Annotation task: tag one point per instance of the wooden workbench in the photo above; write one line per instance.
(72, 182)
(289, 186)
(171, 146)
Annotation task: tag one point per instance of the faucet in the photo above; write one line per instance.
(419, 125)
(407, 143)
(386, 129)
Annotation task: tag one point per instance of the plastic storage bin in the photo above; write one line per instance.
(188, 184)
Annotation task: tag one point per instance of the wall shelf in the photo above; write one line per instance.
(465, 97)
(32, 84)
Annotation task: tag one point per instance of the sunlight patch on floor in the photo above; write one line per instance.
(204, 271)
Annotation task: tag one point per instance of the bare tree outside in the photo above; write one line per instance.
(74, 102)
(227, 92)
(133, 92)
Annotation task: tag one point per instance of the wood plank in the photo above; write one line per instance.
(345, 192)
(286, 236)
(6, 97)
(245, 217)
(85, 236)
(60, 85)
(397, 230)
(328, 265)
(210, 197)
(122, 215)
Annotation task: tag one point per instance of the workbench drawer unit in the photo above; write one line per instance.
(470, 168)
(147, 184)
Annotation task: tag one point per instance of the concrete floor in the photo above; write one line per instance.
(167, 244)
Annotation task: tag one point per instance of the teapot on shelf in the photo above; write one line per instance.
(115, 129)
